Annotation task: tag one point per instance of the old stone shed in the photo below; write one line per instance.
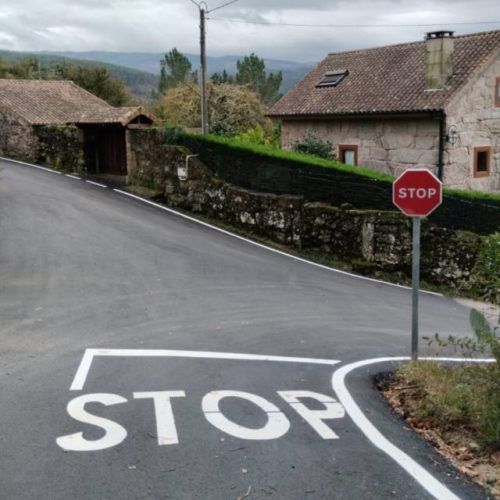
(28, 104)
(432, 104)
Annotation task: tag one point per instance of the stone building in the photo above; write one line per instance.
(433, 104)
(27, 105)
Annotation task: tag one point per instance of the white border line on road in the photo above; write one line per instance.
(96, 183)
(31, 165)
(73, 177)
(424, 478)
(271, 249)
(83, 370)
(233, 235)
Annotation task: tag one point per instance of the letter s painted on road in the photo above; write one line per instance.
(114, 433)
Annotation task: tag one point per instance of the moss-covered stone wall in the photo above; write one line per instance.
(373, 241)
(60, 146)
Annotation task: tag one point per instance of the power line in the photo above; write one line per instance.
(297, 25)
(222, 6)
(204, 10)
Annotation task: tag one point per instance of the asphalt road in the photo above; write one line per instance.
(83, 267)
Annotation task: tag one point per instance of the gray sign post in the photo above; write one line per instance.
(416, 192)
(415, 285)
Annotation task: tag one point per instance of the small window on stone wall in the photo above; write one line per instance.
(497, 93)
(482, 159)
(348, 154)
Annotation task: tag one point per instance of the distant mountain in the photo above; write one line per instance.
(139, 71)
(150, 62)
(139, 83)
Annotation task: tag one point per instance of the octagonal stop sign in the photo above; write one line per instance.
(417, 192)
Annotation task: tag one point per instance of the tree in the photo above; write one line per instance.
(95, 79)
(232, 109)
(252, 72)
(175, 69)
(223, 77)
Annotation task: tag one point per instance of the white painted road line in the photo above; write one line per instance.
(73, 177)
(270, 249)
(424, 478)
(88, 357)
(241, 238)
(31, 165)
(96, 184)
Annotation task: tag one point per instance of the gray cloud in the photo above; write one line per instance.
(158, 25)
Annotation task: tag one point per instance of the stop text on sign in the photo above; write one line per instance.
(277, 424)
(417, 192)
(420, 193)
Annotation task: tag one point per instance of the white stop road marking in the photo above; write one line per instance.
(276, 426)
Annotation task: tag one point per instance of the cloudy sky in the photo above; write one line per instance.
(158, 25)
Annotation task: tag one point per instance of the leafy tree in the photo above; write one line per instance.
(175, 69)
(223, 77)
(314, 145)
(252, 72)
(95, 79)
(232, 109)
(26, 68)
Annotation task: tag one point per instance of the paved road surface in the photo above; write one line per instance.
(83, 267)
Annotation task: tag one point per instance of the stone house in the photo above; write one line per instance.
(433, 104)
(26, 105)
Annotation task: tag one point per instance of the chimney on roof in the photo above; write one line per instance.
(439, 48)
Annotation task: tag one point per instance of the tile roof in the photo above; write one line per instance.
(43, 102)
(387, 79)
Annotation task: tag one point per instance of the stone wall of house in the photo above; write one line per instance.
(477, 122)
(59, 146)
(374, 241)
(387, 145)
(16, 138)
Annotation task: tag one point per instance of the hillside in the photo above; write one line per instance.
(140, 83)
(150, 63)
(140, 71)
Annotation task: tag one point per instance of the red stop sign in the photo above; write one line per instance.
(417, 192)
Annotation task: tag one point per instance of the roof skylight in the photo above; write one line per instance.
(332, 78)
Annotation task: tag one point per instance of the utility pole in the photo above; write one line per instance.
(203, 8)
(203, 75)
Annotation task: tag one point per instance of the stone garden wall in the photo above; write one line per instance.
(58, 146)
(16, 138)
(374, 241)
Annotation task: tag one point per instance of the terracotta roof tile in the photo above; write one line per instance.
(384, 80)
(42, 102)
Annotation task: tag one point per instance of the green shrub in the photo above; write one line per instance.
(464, 395)
(254, 135)
(171, 134)
(485, 278)
(313, 145)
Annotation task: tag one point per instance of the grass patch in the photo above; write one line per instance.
(457, 398)
(464, 398)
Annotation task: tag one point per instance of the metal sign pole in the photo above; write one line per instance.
(415, 280)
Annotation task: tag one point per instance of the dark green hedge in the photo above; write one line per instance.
(268, 169)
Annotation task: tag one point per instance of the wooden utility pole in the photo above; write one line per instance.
(203, 75)
(203, 59)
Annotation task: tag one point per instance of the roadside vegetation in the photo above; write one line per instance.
(456, 407)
